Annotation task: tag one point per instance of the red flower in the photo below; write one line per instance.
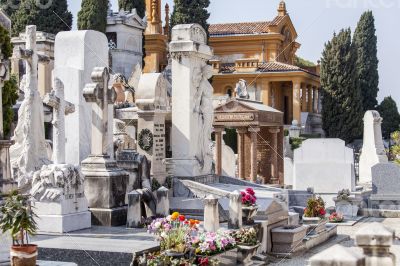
(203, 261)
(182, 218)
(250, 191)
(322, 212)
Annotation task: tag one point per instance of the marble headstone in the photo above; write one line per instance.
(386, 180)
(192, 110)
(326, 165)
(76, 54)
(373, 151)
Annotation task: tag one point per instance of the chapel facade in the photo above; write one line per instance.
(263, 54)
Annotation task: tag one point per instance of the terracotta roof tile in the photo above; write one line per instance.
(228, 68)
(243, 28)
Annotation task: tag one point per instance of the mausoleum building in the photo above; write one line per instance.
(263, 53)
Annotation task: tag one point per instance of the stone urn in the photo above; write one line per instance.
(248, 213)
(245, 253)
(315, 225)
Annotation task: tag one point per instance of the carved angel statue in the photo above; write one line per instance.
(241, 89)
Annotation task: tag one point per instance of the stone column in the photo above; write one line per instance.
(296, 101)
(241, 152)
(375, 240)
(303, 98)
(319, 100)
(162, 202)
(235, 210)
(274, 155)
(315, 100)
(134, 217)
(266, 87)
(211, 214)
(253, 153)
(218, 141)
(310, 99)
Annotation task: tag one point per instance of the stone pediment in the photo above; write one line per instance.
(234, 107)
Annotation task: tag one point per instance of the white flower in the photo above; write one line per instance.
(157, 225)
(164, 235)
(169, 218)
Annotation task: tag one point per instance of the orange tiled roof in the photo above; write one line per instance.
(243, 28)
(229, 68)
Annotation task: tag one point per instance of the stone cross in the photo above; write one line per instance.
(61, 108)
(101, 96)
(32, 58)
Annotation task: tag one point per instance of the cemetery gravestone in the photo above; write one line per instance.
(76, 54)
(192, 110)
(105, 184)
(373, 151)
(327, 165)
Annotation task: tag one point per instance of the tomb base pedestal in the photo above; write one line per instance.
(105, 189)
(64, 223)
(109, 217)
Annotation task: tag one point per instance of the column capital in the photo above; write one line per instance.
(241, 130)
(218, 129)
(274, 130)
(254, 129)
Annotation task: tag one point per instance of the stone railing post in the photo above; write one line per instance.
(235, 210)
(211, 214)
(134, 217)
(375, 240)
(162, 202)
(337, 255)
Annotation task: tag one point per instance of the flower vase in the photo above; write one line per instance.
(248, 213)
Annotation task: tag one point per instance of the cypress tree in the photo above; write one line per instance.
(10, 88)
(191, 11)
(341, 100)
(93, 15)
(51, 17)
(128, 5)
(365, 42)
(391, 117)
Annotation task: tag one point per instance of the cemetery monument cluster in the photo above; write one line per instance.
(111, 136)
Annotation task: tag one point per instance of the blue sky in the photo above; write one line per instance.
(315, 21)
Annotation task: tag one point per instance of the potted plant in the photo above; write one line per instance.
(18, 218)
(174, 233)
(249, 207)
(247, 244)
(314, 214)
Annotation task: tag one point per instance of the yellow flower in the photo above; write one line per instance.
(174, 216)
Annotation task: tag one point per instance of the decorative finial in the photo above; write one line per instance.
(282, 9)
(166, 27)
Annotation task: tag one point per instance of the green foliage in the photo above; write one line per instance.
(191, 11)
(18, 218)
(10, 88)
(303, 63)
(93, 15)
(365, 42)
(391, 117)
(296, 142)
(315, 208)
(9, 6)
(128, 5)
(51, 18)
(341, 99)
(394, 154)
(155, 185)
(10, 96)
